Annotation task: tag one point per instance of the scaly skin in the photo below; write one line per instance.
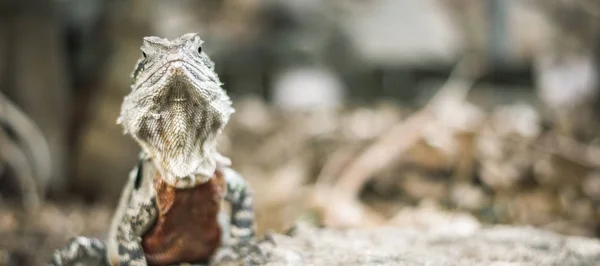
(170, 210)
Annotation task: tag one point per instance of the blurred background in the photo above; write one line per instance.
(349, 113)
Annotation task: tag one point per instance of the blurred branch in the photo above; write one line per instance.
(334, 165)
(390, 147)
(385, 151)
(337, 203)
(569, 149)
(30, 137)
(15, 158)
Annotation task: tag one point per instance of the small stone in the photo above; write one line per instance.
(469, 197)
(591, 186)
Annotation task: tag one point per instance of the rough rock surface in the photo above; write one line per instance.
(498, 245)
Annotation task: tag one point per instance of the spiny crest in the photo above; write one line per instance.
(165, 44)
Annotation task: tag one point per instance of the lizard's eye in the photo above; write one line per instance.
(199, 49)
(144, 54)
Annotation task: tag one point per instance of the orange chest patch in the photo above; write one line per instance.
(187, 228)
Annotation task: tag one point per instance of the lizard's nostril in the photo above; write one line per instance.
(175, 66)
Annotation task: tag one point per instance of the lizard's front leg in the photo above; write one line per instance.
(242, 215)
(138, 217)
(88, 251)
(241, 225)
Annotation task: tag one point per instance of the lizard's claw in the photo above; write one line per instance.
(89, 251)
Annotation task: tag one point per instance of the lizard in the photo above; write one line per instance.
(170, 211)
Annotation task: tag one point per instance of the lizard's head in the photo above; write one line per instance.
(177, 108)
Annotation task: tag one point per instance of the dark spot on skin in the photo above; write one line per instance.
(138, 176)
(242, 223)
(138, 69)
(216, 124)
(133, 254)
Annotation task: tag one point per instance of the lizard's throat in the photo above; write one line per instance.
(182, 148)
(180, 140)
(181, 160)
(181, 166)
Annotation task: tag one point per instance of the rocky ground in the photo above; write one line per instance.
(497, 245)
(425, 235)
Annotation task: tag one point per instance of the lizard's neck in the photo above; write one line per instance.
(205, 171)
(187, 181)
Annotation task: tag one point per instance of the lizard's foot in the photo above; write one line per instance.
(80, 251)
(243, 253)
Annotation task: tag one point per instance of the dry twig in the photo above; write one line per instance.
(390, 147)
(338, 203)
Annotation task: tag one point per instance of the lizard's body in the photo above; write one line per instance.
(170, 209)
(188, 229)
